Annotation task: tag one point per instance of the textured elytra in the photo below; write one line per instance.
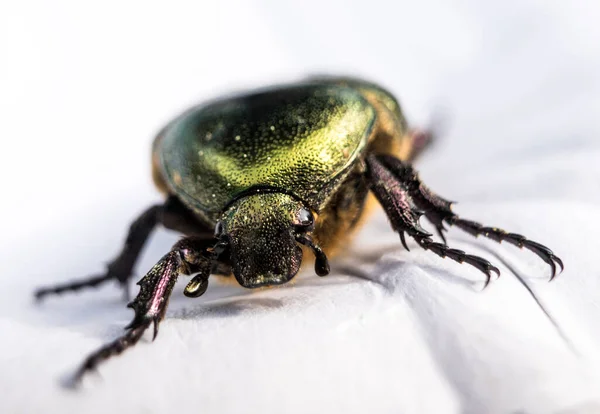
(297, 138)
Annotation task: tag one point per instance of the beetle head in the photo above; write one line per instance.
(263, 232)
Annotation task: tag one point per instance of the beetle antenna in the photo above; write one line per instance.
(219, 247)
(321, 262)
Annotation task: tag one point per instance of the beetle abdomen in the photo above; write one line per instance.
(297, 138)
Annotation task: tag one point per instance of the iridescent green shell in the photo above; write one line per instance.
(297, 138)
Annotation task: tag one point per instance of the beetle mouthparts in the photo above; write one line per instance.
(321, 262)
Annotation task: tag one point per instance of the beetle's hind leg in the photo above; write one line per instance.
(172, 214)
(421, 139)
(438, 211)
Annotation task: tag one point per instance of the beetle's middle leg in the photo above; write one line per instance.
(172, 214)
(404, 215)
(438, 211)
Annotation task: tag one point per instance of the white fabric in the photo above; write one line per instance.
(85, 87)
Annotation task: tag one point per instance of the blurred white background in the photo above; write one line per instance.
(84, 86)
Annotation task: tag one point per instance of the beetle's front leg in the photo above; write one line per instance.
(188, 256)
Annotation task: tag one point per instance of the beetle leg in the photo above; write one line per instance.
(421, 139)
(407, 175)
(172, 214)
(188, 256)
(120, 268)
(404, 215)
(439, 211)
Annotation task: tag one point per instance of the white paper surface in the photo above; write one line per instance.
(84, 88)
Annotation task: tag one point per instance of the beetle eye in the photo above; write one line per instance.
(304, 218)
(219, 229)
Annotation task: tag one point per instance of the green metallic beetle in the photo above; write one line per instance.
(256, 181)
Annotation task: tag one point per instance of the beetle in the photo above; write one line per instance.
(256, 181)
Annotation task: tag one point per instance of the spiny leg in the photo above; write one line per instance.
(172, 214)
(404, 216)
(460, 256)
(188, 256)
(438, 211)
(120, 268)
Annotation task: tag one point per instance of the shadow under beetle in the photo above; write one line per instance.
(251, 179)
